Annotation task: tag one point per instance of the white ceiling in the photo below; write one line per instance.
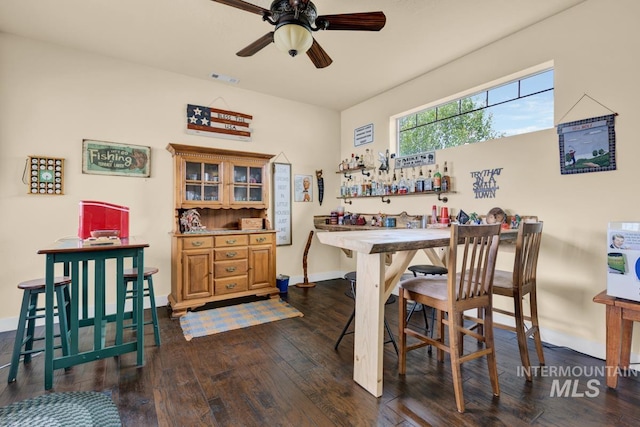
(199, 37)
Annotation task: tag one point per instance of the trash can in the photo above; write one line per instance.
(282, 281)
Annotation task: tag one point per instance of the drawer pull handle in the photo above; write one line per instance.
(231, 242)
(231, 285)
(261, 239)
(231, 269)
(198, 243)
(231, 254)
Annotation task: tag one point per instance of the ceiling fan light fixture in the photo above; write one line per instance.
(293, 38)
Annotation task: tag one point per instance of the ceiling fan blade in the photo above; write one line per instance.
(257, 45)
(318, 56)
(239, 4)
(366, 21)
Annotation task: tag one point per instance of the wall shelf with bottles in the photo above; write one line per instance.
(349, 172)
(385, 197)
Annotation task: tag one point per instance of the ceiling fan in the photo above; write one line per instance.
(295, 20)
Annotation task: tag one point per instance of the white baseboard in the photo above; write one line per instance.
(581, 345)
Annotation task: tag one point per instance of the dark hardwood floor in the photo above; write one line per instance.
(287, 373)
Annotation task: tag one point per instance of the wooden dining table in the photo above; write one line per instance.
(375, 282)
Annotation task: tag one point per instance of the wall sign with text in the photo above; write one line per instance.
(363, 135)
(485, 185)
(110, 158)
(282, 203)
(217, 123)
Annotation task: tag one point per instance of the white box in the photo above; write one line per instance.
(623, 260)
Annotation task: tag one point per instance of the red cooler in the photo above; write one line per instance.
(102, 216)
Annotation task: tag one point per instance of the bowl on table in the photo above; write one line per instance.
(105, 233)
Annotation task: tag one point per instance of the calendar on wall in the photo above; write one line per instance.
(46, 175)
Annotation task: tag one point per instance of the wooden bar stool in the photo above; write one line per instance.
(30, 312)
(130, 277)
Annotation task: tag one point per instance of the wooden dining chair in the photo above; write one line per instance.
(519, 283)
(471, 288)
(427, 270)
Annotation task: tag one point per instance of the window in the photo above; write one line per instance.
(513, 108)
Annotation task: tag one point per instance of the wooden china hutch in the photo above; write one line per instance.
(233, 254)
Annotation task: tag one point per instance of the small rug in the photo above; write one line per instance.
(208, 322)
(76, 408)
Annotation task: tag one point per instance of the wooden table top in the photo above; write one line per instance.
(77, 245)
(392, 239)
(386, 239)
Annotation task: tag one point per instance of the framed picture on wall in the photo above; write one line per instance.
(587, 145)
(303, 190)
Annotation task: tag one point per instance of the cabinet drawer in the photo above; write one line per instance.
(261, 239)
(230, 268)
(199, 242)
(231, 285)
(230, 253)
(233, 240)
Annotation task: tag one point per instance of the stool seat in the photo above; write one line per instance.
(427, 269)
(40, 283)
(132, 273)
(30, 312)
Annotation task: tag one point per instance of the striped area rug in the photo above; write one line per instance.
(207, 322)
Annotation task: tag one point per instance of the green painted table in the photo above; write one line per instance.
(78, 261)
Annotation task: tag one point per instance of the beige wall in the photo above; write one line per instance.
(52, 98)
(594, 51)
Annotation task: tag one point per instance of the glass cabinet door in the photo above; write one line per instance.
(202, 182)
(247, 184)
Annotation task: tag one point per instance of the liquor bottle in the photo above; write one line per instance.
(437, 180)
(446, 179)
(394, 183)
(402, 184)
(368, 158)
(387, 184)
(411, 183)
(374, 185)
(428, 183)
(420, 183)
(367, 187)
(352, 163)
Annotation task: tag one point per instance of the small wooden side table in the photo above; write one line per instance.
(621, 314)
